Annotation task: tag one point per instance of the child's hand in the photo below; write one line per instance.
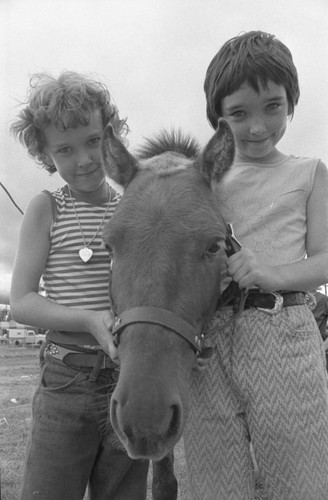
(249, 272)
(225, 279)
(101, 328)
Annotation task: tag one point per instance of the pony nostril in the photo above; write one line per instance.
(128, 432)
(176, 420)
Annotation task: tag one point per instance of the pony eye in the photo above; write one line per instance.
(110, 253)
(214, 248)
(109, 249)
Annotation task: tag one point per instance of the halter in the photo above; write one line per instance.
(158, 316)
(163, 317)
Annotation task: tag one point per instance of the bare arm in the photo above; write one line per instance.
(27, 306)
(304, 275)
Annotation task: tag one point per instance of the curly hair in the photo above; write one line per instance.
(254, 57)
(66, 102)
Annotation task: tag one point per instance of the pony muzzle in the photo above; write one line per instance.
(146, 436)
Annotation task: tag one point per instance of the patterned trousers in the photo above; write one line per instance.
(266, 383)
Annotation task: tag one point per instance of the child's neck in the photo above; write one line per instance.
(97, 197)
(273, 157)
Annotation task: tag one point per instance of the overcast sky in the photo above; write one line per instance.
(153, 55)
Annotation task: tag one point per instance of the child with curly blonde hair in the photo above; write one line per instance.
(71, 441)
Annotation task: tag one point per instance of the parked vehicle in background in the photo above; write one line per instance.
(35, 339)
(25, 337)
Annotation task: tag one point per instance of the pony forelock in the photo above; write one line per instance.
(174, 141)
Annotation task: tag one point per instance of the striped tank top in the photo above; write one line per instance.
(67, 279)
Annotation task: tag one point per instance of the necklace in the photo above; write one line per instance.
(86, 253)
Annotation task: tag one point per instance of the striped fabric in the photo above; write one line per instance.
(67, 279)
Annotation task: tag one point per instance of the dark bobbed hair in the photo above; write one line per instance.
(254, 57)
(66, 102)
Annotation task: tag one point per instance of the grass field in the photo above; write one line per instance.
(18, 378)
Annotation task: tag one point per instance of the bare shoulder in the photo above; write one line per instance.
(317, 212)
(320, 185)
(322, 167)
(40, 206)
(38, 213)
(40, 201)
(321, 172)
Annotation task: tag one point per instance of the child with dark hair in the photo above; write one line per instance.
(266, 382)
(71, 441)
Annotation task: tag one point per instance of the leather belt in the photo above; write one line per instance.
(273, 302)
(79, 359)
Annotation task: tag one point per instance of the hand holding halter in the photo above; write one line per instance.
(233, 293)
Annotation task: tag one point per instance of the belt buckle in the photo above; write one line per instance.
(278, 304)
(52, 349)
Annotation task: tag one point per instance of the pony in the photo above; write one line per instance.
(166, 240)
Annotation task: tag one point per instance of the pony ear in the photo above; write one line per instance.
(119, 164)
(219, 152)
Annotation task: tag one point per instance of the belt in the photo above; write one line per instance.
(79, 359)
(273, 302)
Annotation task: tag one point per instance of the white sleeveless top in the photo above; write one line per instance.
(266, 204)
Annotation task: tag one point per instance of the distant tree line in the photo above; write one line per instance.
(5, 314)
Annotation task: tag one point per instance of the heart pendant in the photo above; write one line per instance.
(85, 254)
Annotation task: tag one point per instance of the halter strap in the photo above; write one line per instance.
(158, 316)
(163, 317)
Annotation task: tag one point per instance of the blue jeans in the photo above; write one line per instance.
(72, 441)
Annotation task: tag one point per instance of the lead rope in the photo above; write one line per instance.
(111, 301)
(110, 297)
(237, 310)
(241, 306)
(233, 293)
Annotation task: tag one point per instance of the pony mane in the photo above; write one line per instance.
(174, 141)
